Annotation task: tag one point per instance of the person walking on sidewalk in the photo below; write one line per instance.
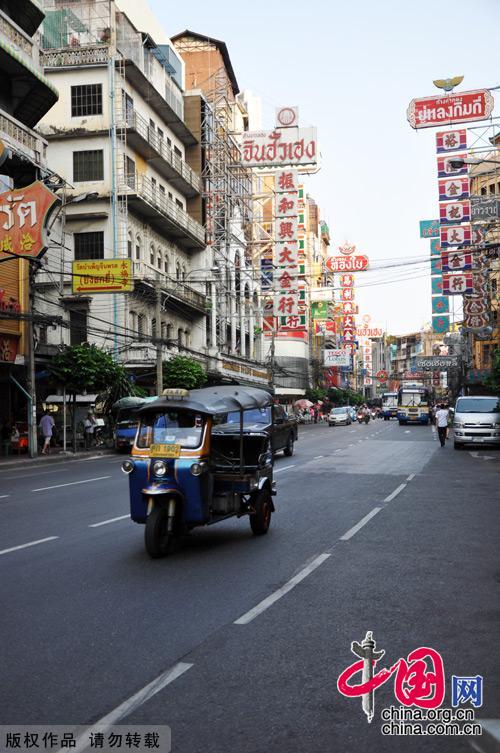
(88, 430)
(442, 423)
(46, 427)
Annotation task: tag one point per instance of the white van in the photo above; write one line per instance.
(476, 420)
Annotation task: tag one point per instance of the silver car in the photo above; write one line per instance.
(476, 420)
(339, 416)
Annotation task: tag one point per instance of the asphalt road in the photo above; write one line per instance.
(377, 528)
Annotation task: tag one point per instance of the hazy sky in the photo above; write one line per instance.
(352, 68)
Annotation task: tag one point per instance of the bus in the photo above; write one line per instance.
(389, 405)
(413, 404)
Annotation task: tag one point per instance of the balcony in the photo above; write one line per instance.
(178, 293)
(30, 92)
(159, 155)
(162, 213)
(22, 139)
(21, 42)
(70, 57)
(26, 14)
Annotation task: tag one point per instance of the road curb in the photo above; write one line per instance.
(489, 741)
(50, 459)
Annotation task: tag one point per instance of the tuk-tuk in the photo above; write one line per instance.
(126, 421)
(193, 464)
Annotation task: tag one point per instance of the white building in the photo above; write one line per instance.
(118, 137)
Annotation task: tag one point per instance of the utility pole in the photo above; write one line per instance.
(159, 354)
(30, 347)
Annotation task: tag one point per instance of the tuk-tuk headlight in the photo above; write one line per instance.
(198, 468)
(128, 466)
(159, 468)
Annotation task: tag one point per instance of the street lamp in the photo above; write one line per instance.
(457, 164)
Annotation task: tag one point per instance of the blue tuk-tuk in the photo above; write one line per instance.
(193, 464)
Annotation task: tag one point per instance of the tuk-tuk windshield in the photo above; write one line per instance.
(184, 428)
(250, 417)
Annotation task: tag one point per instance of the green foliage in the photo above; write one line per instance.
(493, 382)
(183, 372)
(315, 394)
(345, 397)
(87, 368)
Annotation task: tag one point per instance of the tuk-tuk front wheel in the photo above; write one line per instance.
(158, 539)
(260, 520)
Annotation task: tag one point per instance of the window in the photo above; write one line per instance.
(138, 247)
(130, 172)
(165, 265)
(161, 135)
(153, 190)
(178, 271)
(152, 254)
(133, 323)
(128, 106)
(163, 330)
(153, 328)
(169, 141)
(179, 336)
(170, 329)
(141, 325)
(177, 151)
(179, 203)
(89, 245)
(78, 326)
(162, 196)
(86, 100)
(492, 188)
(129, 246)
(88, 165)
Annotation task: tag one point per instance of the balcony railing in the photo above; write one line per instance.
(19, 39)
(19, 134)
(176, 289)
(67, 57)
(154, 204)
(176, 164)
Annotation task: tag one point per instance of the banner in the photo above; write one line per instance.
(102, 276)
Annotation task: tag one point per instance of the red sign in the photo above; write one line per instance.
(457, 284)
(455, 235)
(475, 306)
(451, 141)
(324, 327)
(347, 264)
(8, 348)
(382, 375)
(455, 211)
(427, 112)
(22, 226)
(476, 321)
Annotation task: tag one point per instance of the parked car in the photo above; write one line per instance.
(282, 428)
(476, 420)
(340, 416)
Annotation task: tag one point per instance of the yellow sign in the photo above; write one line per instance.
(165, 451)
(102, 276)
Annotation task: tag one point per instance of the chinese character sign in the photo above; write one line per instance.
(458, 284)
(23, 217)
(286, 246)
(451, 141)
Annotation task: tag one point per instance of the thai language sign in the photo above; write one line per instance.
(435, 363)
(102, 276)
(288, 147)
(347, 263)
(427, 112)
(429, 228)
(23, 217)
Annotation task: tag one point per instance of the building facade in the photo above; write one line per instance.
(25, 96)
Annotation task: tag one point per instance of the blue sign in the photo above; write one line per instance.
(429, 228)
(437, 285)
(440, 304)
(440, 324)
(435, 247)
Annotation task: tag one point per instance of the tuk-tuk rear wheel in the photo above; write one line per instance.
(159, 542)
(260, 520)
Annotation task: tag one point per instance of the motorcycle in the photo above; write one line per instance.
(360, 417)
(367, 418)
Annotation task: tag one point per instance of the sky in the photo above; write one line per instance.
(352, 68)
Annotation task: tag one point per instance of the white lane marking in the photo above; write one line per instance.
(30, 543)
(105, 522)
(407, 431)
(133, 703)
(411, 477)
(4, 496)
(71, 483)
(395, 493)
(284, 469)
(272, 598)
(318, 457)
(350, 533)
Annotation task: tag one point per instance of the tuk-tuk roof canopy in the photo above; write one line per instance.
(132, 402)
(213, 400)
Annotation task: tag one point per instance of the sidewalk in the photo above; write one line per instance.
(56, 456)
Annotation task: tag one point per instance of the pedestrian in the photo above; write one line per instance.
(6, 434)
(442, 423)
(46, 428)
(88, 430)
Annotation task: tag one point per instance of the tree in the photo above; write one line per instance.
(183, 372)
(87, 368)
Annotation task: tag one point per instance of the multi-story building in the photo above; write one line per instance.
(25, 96)
(217, 115)
(119, 138)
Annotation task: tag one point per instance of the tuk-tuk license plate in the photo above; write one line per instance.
(165, 451)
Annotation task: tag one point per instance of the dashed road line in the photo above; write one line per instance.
(71, 483)
(318, 457)
(277, 470)
(105, 522)
(411, 477)
(280, 592)
(30, 543)
(4, 496)
(395, 493)
(350, 533)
